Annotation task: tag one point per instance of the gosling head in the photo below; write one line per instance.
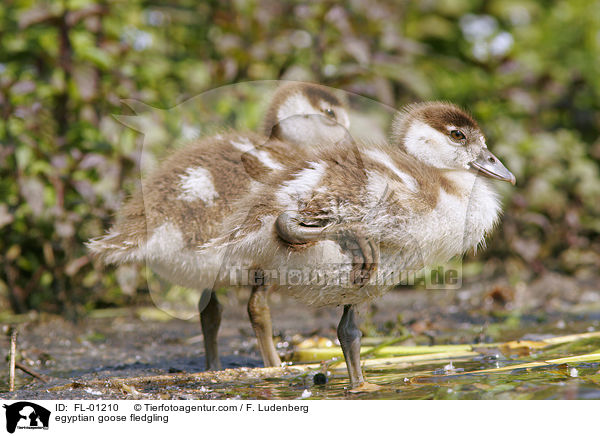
(445, 137)
(306, 114)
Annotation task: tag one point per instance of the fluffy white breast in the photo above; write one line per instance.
(459, 222)
(483, 211)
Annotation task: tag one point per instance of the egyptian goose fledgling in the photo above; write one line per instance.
(416, 202)
(185, 202)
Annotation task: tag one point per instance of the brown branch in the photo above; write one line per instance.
(31, 372)
(74, 17)
(34, 16)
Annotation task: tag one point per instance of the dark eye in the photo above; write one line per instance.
(330, 113)
(457, 135)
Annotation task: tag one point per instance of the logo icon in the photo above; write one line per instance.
(26, 415)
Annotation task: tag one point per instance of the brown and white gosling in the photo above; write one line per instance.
(185, 202)
(413, 203)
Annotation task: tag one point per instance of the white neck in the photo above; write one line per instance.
(465, 180)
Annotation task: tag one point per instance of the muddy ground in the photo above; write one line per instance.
(140, 353)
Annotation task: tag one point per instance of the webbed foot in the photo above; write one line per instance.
(295, 229)
(365, 253)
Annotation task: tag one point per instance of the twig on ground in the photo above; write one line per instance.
(31, 372)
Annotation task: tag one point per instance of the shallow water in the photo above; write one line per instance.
(433, 378)
(131, 355)
(440, 379)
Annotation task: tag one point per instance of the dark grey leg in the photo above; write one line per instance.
(260, 317)
(210, 319)
(349, 336)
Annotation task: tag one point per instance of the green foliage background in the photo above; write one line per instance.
(528, 70)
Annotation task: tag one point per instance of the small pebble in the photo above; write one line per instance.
(320, 378)
(306, 394)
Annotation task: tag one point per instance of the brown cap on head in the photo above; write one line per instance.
(438, 115)
(313, 92)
